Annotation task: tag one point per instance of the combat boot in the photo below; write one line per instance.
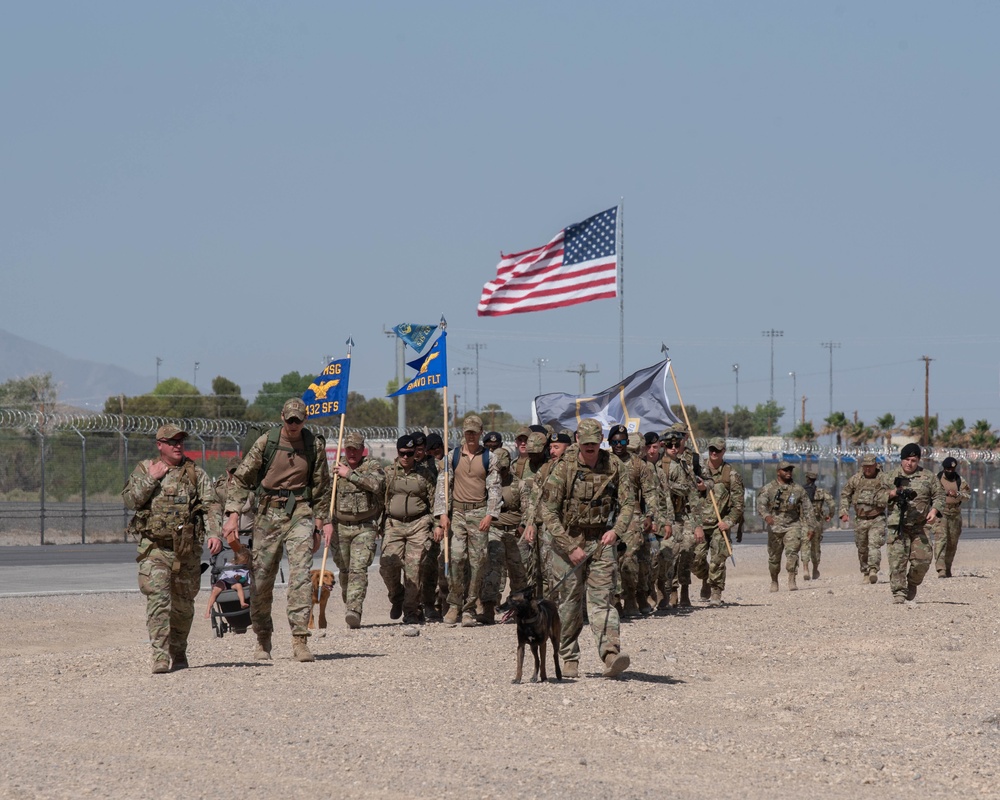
(774, 580)
(706, 590)
(352, 618)
(451, 618)
(631, 609)
(911, 591)
(300, 649)
(815, 572)
(488, 615)
(431, 614)
(178, 659)
(873, 576)
(396, 611)
(263, 651)
(645, 609)
(615, 664)
(672, 599)
(685, 600)
(715, 601)
(805, 572)
(865, 579)
(161, 665)
(571, 669)
(469, 620)
(791, 582)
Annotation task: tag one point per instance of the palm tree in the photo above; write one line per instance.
(915, 427)
(953, 435)
(886, 425)
(836, 423)
(982, 436)
(860, 434)
(804, 432)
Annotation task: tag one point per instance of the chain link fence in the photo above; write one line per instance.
(61, 475)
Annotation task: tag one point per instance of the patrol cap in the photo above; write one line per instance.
(294, 407)
(434, 441)
(949, 463)
(537, 442)
(563, 437)
(493, 437)
(405, 442)
(652, 438)
(524, 431)
(589, 432)
(472, 423)
(869, 460)
(355, 439)
(785, 465)
(717, 443)
(635, 441)
(617, 430)
(419, 439)
(910, 450)
(165, 432)
(503, 458)
(678, 427)
(812, 475)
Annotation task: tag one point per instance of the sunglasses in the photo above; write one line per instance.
(405, 453)
(293, 421)
(619, 441)
(172, 442)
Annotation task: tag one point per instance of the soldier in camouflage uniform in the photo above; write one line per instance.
(286, 470)
(787, 511)
(535, 531)
(587, 504)
(710, 555)
(916, 499)
(504, 551)
(634, 560)
(823, 508)
(473, 504)
(678, 476)
(170, 497)
(949, 528)
(357, 516)
(525, 469)
(868, 492)
(409, 499)
(433, 583)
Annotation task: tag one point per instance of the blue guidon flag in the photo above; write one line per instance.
(432, 369)
(416, 336)
(327, 394)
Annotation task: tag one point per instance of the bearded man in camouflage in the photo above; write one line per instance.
(787, 511)
(868, 491)
(170, 497)
(587, 504)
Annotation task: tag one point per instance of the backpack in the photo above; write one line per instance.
(272, 447)
(457, 454)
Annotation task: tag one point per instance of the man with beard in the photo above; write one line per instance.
(787, 511)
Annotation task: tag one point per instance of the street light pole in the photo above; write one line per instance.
(772, 335)
(736, 369)
(794, 395)
(540, 362)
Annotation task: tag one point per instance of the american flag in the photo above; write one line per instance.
(579, 264)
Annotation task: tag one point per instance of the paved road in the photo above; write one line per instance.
(76, 568)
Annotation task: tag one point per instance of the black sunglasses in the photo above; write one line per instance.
(405, 453)
(619, 441)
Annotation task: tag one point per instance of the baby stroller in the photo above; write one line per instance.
(227, 614)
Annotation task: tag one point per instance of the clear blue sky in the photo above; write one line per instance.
(247, 184)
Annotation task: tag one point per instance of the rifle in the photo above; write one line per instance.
(904, 494)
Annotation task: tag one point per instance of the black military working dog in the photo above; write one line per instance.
(537, 622)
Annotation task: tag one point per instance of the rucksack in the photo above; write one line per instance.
(457, 454)
(272, 446)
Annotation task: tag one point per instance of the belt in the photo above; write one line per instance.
(468, 506)
(284, 493)
(161, 544)
(507, 528)
(870, 516)
(587, 531)
(409, 519)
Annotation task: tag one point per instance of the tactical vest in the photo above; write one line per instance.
(591, 499)
(354, 504)
(406, 494)
(510, 502)
(787, 503)
(174, 517)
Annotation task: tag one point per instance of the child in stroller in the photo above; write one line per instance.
(228, 605)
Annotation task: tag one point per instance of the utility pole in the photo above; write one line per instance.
(196, 365)
(540, 362)
(830, 346)
(465, 372)
(794, 395)
(400, 380)
(772, 335)
(477, 347)
(803, 409)
(582, 371)
(158, 362)
(736, 369)
(927, 400)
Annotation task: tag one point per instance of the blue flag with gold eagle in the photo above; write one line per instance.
(432, 369)
(416, 336)
(327, 395)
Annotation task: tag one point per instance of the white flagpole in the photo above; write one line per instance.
(621, 289)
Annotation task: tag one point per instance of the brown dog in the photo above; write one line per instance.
(537, 622)
(323, 596)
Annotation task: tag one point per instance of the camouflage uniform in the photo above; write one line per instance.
(407, 543)
(810, 549)
(285, 522)
(948, 529)
(357, 512)
(634, 562)
(169, 568)
(710, 556)
(909, 548)
(869, 497)
(543, 538)
(525, 473)
(577, 504)
(468, 544)
(504, 549)
(789, 505)
(679, 488)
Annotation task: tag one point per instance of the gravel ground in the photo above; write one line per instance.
(830, 691)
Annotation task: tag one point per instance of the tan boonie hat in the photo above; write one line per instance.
(786, 465)
(354, 439)
(537, 442)
(472, 423)
(589, 432)
(678, 427)
(294, 408)
(717, 443)
(869, 461)
(170, 432)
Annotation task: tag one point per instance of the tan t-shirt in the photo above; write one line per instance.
(289, 468)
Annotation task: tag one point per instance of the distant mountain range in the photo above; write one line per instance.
(82, 384)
